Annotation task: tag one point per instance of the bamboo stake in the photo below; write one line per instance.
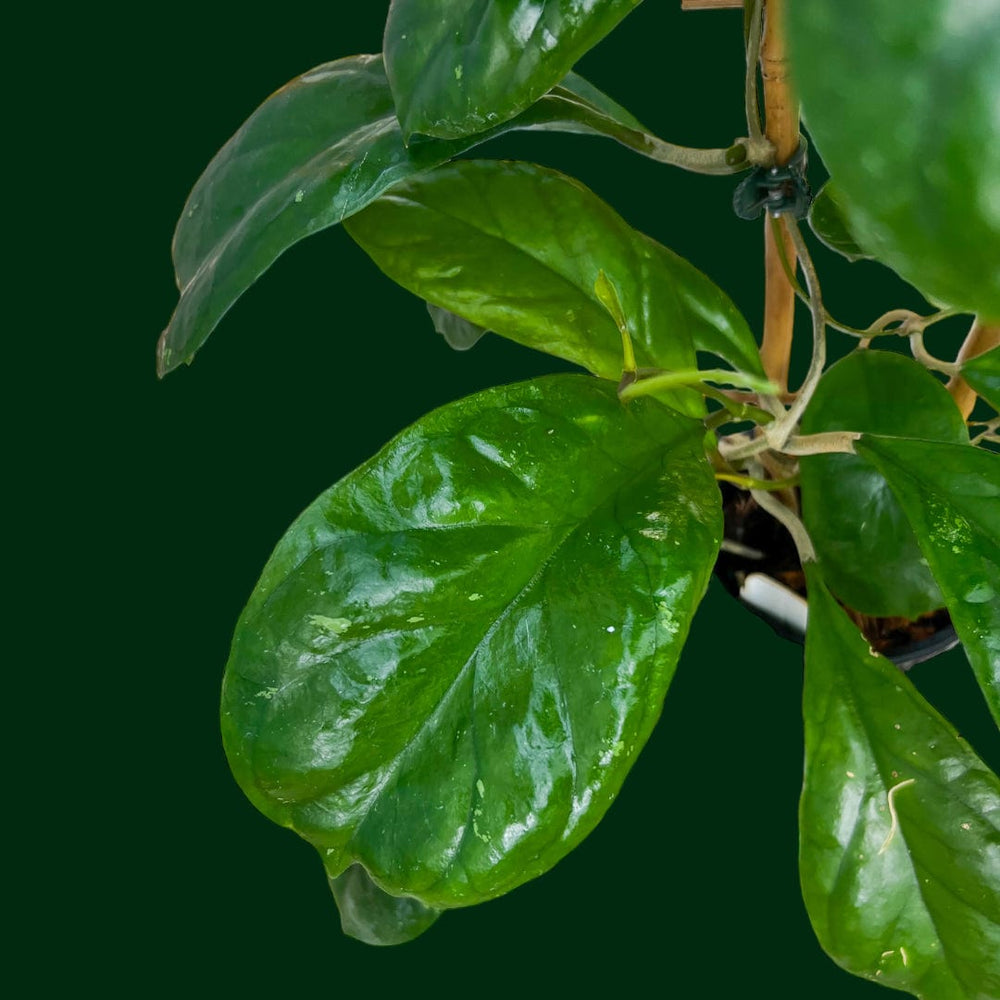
(781, 114)
(980, 339)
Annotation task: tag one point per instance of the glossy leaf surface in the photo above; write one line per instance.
(983, 374)
(517, 248)
(870, 556)
(458, 67)
(899, 823)
(373, 916)
(454, 656)
(951, 497)
(828, 220)
(901, 102)
(313, 154)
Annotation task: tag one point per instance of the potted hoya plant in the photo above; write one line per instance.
(456, 653)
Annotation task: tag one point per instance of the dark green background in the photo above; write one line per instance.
(146, 511)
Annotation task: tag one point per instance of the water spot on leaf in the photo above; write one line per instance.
(949, 526)
(332, 626)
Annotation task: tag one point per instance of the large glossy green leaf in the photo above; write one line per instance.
(458, 67)
(983, 374)
(313, 154)
(901, 101)
(455, 654)
(951, 496)
(517, 249)
(828, 220)
(899, 823)
(870, 556)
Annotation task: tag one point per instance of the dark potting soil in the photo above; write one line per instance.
(768, 548)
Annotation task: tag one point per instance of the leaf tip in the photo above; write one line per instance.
(167, 359)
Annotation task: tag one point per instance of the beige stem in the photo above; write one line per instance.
(981, 338)
(709, 4)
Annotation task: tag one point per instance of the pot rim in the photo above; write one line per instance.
(776, 614)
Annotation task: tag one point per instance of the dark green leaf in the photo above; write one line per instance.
(454, 656)
(319, 149)
(373, 916)
(314, 153)
(459, 333)
(983, 374)
(901, 101)
(828, 220)
(517, 249)
(951, 496)
(899, 824)
(870, 556)
(458, 67)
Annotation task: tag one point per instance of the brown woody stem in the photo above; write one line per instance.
(981, 338)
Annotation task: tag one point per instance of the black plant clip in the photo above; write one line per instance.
(776, 190)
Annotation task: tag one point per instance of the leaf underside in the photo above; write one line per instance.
(459, 333)
(369, 914)
(454, 656)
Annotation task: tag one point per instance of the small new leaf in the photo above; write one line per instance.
(607, 295)
(828, 220)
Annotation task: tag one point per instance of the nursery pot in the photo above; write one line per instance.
(760, 567)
